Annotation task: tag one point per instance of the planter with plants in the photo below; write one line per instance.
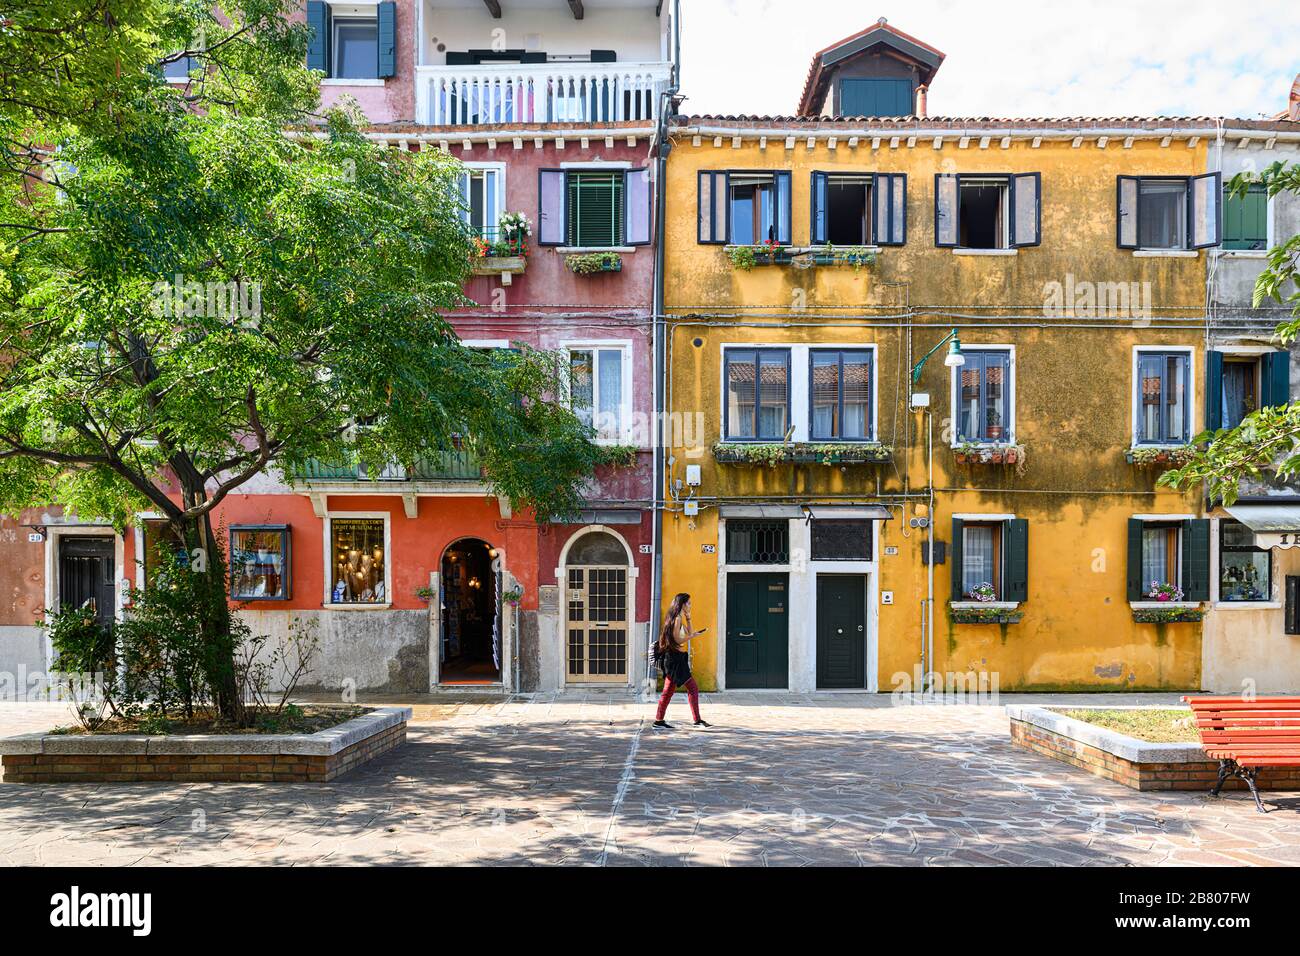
(770, 253)
(588, 263)
(1161, 592)
(983, 615)
(514, 596)
(822, 453)
(859, 257)
(506, 255)
(1160, 457)
(972, 454)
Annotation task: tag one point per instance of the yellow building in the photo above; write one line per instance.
(820, 443)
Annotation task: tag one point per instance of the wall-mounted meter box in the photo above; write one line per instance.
(693, 475)
(691, 508)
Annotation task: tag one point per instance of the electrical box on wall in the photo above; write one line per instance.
(693, 475)
(940, 552)
(691, 508)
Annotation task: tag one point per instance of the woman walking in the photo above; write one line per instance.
(674, 661)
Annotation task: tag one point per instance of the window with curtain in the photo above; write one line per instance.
(980, 559)
(1162, 213)
(758, 393)
(1239, 392)
(1160, 555)
(1164, 415)
(595, 208)
(983, 396)
(596, 390)
(840, 395)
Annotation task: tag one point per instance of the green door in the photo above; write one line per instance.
(841, 631)
(758, 652)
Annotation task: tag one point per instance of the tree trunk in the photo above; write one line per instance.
(218, 660)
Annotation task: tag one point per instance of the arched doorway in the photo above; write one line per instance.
(471, 639)
(597, 616)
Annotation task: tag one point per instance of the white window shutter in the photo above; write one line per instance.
(945, 209)
(1126, 207)
(1206, 218)
(1026, 201)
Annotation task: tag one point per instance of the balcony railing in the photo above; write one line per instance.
(434, 466)
(539, 93)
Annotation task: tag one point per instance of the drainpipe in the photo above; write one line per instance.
(661, 207)
(928, 667)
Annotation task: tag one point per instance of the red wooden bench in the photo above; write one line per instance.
(1247, 735)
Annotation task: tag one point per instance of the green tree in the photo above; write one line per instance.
(1267, 442)
(196, 297)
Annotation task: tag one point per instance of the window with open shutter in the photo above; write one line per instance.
(889, 196)
(1017, 560)
(784, 210)
(1245, 219)
(712, 213)
(550, 207)
(1196, 559)
(1213, 391)
(1275, 387)
(945, 209)
(818, 204)
(958, 531)
(1126, 219)
(318, 20)
(1135, 583)
(594, 209)
(1026, 209)
(1206, 214)
(387, 38)
(636, 228)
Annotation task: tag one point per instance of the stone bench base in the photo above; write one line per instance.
(1134, 763)
(302, 758)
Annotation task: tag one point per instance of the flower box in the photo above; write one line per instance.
(593, 262)
(1160, 457)
(1167, 615)
(846, 453)
(1007, 455)
(983, 615)
(503, 266)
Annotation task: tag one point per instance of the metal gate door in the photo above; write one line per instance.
(597, 625)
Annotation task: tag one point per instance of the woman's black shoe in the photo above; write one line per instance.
(703, 723)
(663, 725)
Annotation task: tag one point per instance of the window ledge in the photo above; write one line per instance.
(339, 81)
(1159, 605)
(959, 251)
(978, 605)
(1247, 605)
(799, 250)
(356, 607)
(1243, 253)
(572, 250)
(1166, 253)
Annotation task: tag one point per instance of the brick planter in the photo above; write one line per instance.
(204, 758)
(1138, 764)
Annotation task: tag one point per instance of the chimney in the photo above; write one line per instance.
(1293, 107)
(922, 91)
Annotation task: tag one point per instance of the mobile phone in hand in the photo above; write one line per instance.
(701, 630)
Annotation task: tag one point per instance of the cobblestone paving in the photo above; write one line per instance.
(784, 780)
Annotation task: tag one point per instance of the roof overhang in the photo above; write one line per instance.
(1275, 526)
(860, 512)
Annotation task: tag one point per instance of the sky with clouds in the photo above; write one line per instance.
(1010, 58)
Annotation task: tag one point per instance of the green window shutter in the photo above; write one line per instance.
(1245, 220)
(387, 39)
(596, 209)
(318, 47)
(956, 558)
(1016, 586)
(1213, 391)
(1275, 384)
(1196, 559)
(1135, 588)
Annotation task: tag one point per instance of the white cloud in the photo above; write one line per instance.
(1105, 58)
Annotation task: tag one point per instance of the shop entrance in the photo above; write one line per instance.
(470, 651)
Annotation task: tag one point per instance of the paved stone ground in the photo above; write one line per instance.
(582, 779)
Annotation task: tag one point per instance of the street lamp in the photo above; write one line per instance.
(954, 358)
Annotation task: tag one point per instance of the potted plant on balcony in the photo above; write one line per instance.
(514, 228)
(507, 255)
(593, 262)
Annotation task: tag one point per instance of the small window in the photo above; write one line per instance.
(1245, 219)
(848, 210)
(983, 213)
(841, 395)
(752, 208)
(1169, 213)
(984, 412)
(1162, 214)
(758, 394)
(1161, 556)
(355, 52)
(1245, 570)
(596, 390)
(758, 542)
(259, 563)
(1164, 411)
(981, 561)
(480, 196)
(358, 561)
(594, 209)
(743, 208)
(976, 211)
(841, 539)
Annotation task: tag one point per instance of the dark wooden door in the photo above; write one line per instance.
(758, 651)
(841, 631)
(86, 574)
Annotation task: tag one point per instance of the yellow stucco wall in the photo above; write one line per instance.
(1073, 385)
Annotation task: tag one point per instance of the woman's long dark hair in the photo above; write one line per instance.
(667, 637)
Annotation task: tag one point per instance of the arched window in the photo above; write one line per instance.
(598, 548)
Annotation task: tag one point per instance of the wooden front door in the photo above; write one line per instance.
(758, 648)
(841, 631)
(86, 574)
(597, 625)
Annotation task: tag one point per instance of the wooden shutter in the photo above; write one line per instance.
(1126, 212)
(957, 526)
(1213, 391)
(817, 203)
(889, 215)
(1205, 210)
(1026, 209)
(1196, 559)
(1016, 586)
(945, 209)
(550, 207)
(1135, 589)
(636, 207)
(781, 215)
(712, 198)
(1275, 378)
(318, 47)
(387, 39)
(1245, 220)
(594, 211)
